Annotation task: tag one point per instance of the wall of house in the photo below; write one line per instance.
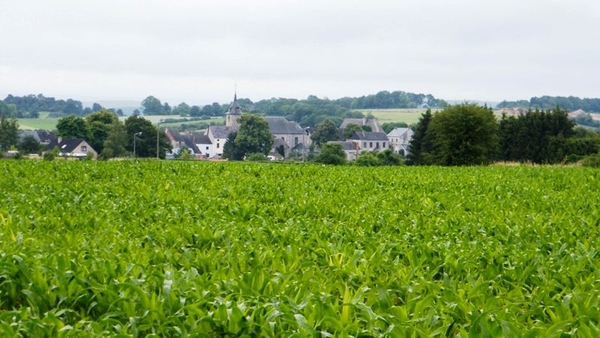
(371, 145)
(206, 149)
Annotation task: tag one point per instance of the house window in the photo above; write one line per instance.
(370, 144)
(206, 147)
(295, 141)
(364, 144)
(217, 145)
(83, 149)
(384, 144)
(376, 144)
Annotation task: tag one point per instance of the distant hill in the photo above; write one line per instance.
(127, 106)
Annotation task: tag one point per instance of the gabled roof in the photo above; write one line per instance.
(346, 146)
(189, 142)
(369, 136)
(279, 125)
(66, 145)
(221, 131)
(373, 123)
(200, 138)
(175, 135)
(398, 132)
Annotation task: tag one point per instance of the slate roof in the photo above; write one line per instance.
(279, 125)
(373, 123)
(221, 131)
(398, 132)
(346, 146)
(200, 138)
(369, 136)
(66, 145)
(176, 135)
(46, 136)
(234, 108)
(189, 142)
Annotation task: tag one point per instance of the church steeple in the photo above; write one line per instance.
(234, 112)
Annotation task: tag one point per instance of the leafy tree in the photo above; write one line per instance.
(331, 153)
(231, 150)
(99, 125)
(254, 135)
(182, 109)
(388, 157)
(166, 109)
(195, 111)
(421, 141)
(29, 145)
(324, 132)
(465, 134)
(96, 107)
(538, 136)
(351, 129)
(185, 154)
(152, 106)
(145, 143)
(116, 141)
(257, 157)
(367, 159)
(72, 127)
(9, 132)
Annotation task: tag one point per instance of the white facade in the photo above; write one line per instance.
(400, 139)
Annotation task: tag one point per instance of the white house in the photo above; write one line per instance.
(400, 139)
(370, 141)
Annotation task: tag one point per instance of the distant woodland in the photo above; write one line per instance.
(570, 103)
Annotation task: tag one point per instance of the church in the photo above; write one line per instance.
(285, 133)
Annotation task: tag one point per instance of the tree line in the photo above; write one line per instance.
(102, 129)
(468, 134)
(30, 106)
(569, 103)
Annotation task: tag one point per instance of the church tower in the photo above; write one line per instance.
(234, 112)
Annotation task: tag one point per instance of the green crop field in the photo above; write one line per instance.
(198, 249)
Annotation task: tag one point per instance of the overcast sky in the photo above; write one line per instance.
(197, 50)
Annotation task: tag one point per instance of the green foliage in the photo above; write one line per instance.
(254, 135)
(331, 153)
(388, 157)
(257, 157)
(350, 130)
(465, 134)
(383, 158)
(152, 106)
(367, 159)
(185, 154)
(52, 154)
(421, 142)
(9, 132)
(324, 132)
(174, 249)
(29, 145)
(536, 136)
(592, 161)
(549, 102)
(29, 106)
(230, 150)
(115, 142)
(72, 127)
(145, 145)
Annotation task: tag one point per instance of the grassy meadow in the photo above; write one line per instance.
(198, 249)
(43, 122)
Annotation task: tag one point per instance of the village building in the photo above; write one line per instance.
(399, 139)
(74, 147)
(370, 141)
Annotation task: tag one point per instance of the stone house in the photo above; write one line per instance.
(370, 141)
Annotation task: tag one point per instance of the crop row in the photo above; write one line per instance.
(232, 249)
